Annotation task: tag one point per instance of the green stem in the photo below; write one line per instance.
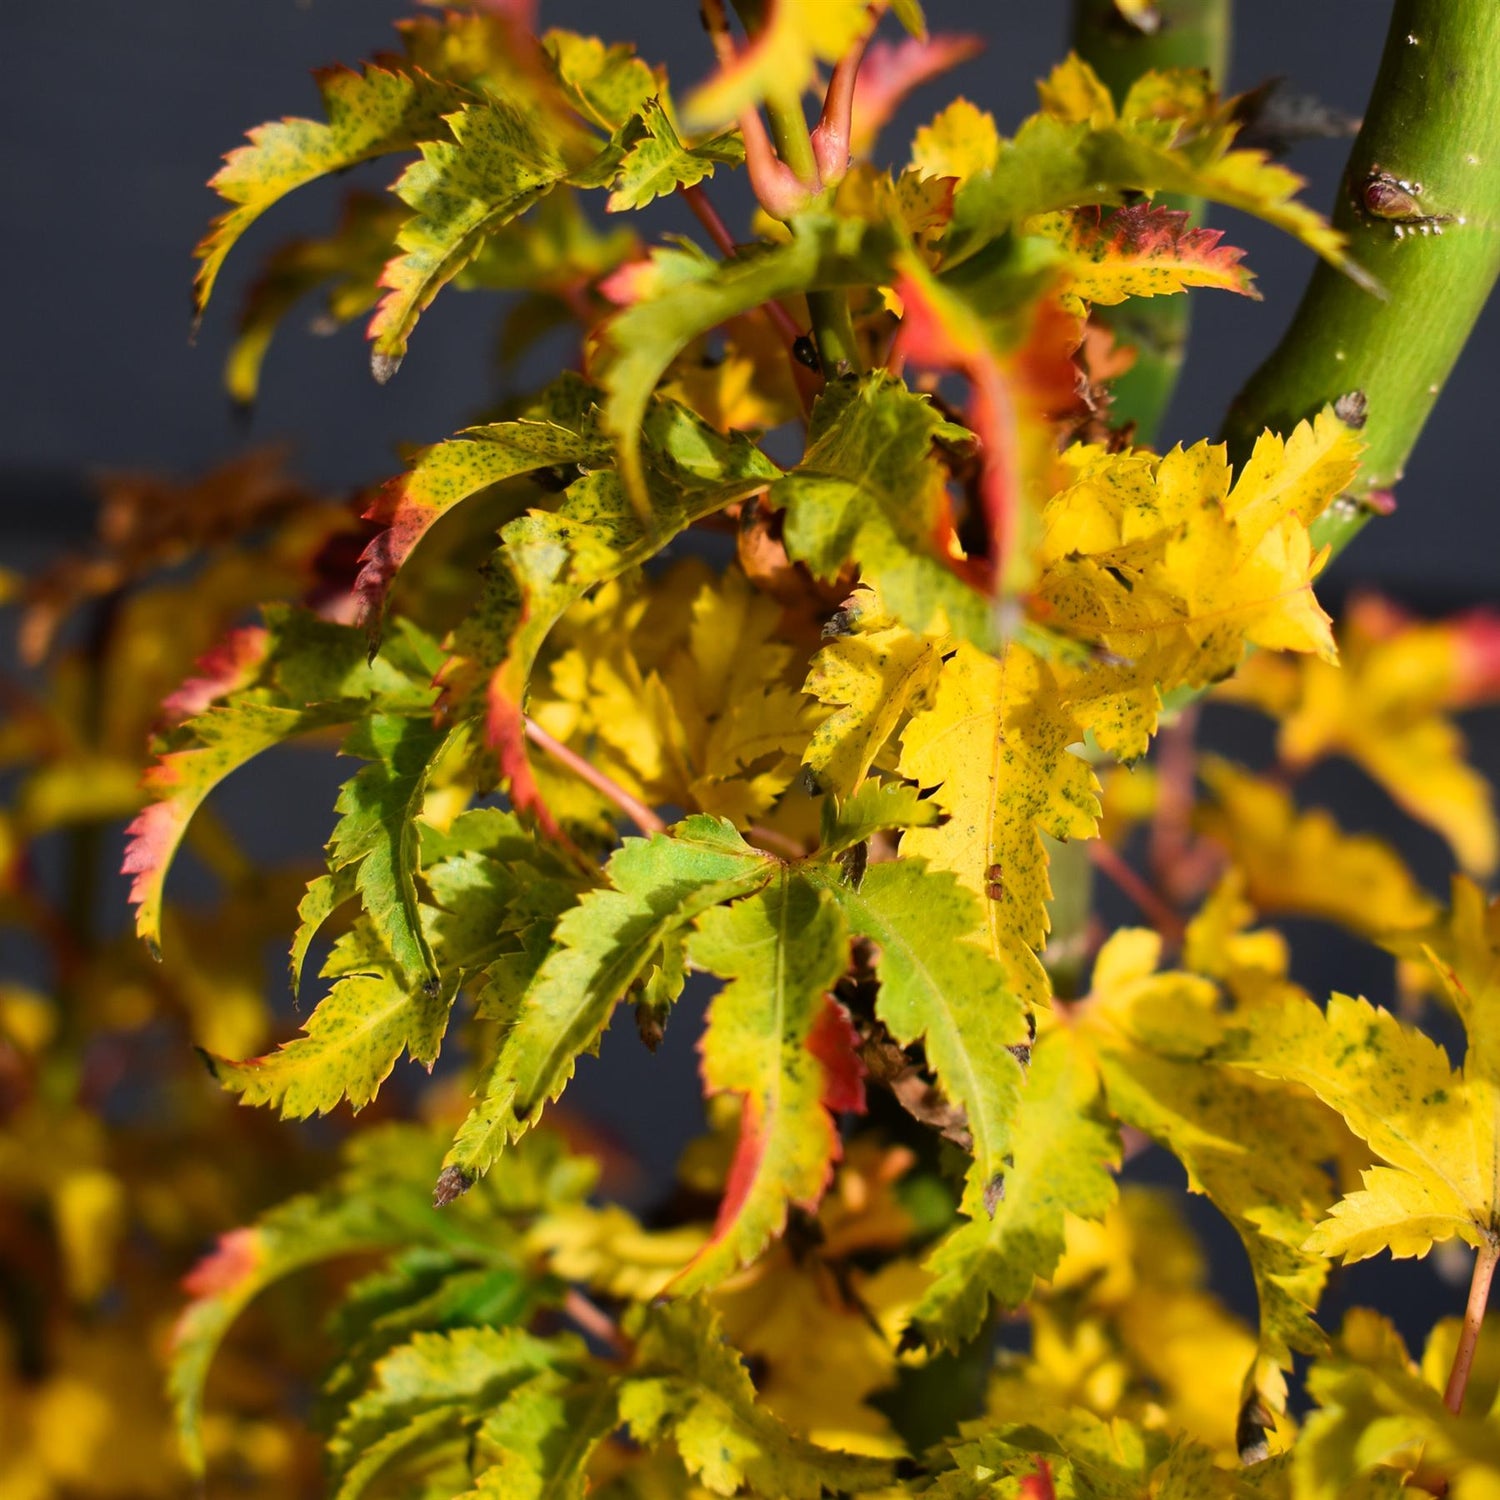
(832, 327)
(1192, 34)
(1433, 122)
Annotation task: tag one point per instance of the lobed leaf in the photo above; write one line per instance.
(381, 110)
(688, 1385)
(776, 1037)
(498, 163)
(871, 489)
(352, 1041)
(995, 744)
(601, 947)
(1062, 1152)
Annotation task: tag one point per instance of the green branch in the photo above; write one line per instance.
(1420, 202)
(1192, 34)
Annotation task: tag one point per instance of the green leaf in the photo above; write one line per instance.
(497, 165)
(659, 163)
(685, 295)
(323, 897)
(871, 488)
(371, 113)
(940, 989)
(428, 1392)
(1062, 1150)
(872, 673)
(352, 1041)
(542, 1437)
(873, 808)
(376, 834)
(607, 84)
(218, 741)
(423, 1288)
(657, 886)
(380, 1201)
(449, 473)
(688, 1385)
(776, 1038)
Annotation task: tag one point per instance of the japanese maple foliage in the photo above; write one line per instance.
(807, 635)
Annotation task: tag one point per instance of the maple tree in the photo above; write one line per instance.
(808, 635)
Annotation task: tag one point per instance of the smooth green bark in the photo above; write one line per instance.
(1433, 124)
(1192, 34)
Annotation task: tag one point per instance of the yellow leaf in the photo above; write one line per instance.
(1435, 1130)
(961, 142)
(995, 744)
(1388, 711)
(683, 694)
(872, 674)
(1253, 1147)
(781, 60)
(1168, 566)
(1303, 862)
(89, 1206)
(1073, 92)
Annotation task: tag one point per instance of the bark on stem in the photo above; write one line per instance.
(1429, 146)
(1479, 1296)
(1192, 34)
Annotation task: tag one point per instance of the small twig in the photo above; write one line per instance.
(592, 1318)
(775, 843)
(634, 809)
(708, 216)
(833, 133)
(1479, 1296)
(776, 186)
(1171, 827)
(1108, 862)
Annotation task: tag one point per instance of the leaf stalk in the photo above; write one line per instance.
(633, 808)
(1485, 1261)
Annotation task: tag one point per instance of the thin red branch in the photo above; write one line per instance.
(708, 216)
(1171, 827)
(834, 131)
(592, 1318)
(775, 843)
(1161, 916)
(634, 809)
(777, 188)
(1479, 1296)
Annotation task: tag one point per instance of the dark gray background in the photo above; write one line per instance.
(113, 116)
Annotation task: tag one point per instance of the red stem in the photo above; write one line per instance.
(1108, 862)
(592, 1318)
(708, 216)
(1171, 828)
(637, 811)
(1468, 1341)
(777, 188)
(832, 134)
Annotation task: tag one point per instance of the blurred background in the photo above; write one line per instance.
(112, 119)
